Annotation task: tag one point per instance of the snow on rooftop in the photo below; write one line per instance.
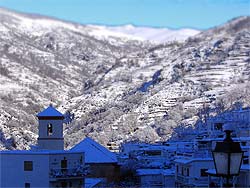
(245, 167)
(211, 171)
(189, 160)
(50, 112)
(147, 171)
(142, 172)
(91, 182)
(94, 152)
(167, 172)
(36, 152)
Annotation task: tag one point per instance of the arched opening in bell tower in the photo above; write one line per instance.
(49, 129)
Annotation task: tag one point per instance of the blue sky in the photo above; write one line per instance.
(200, 14)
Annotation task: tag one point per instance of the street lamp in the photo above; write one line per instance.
(227, 157)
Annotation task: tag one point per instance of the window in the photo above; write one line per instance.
(63, 184)
(243, 143)
(187, 171)
(177, 169)
(182, 171)
(28, 165)
(153, 153)
(203, 172)
(80, 183)
(245, 159)
(64, 165)
(81, 160)
(27, 185)
(218, 126)
(49, 129)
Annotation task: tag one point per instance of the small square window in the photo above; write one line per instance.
(28, 165)
(243, 143)
(63, 184)
(218, 126)
(203, 172)
(27, 185)
(245, 161)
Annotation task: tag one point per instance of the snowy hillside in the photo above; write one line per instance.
(118, 87)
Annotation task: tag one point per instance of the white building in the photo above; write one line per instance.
(49, 165)
(41, 169)
(101, 162)
(156, 178)
(191, 172)
(195, 167)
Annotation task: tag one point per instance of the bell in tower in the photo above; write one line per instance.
(50, 129)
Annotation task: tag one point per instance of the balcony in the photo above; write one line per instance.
(182, 179)
(69, 173)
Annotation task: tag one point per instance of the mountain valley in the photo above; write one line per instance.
(119, 87)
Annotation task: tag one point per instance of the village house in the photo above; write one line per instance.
(155, 177)
(47, 164)
(101, 162)
(191, 172)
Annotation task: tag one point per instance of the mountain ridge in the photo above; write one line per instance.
(118, 89)
(153, 34)
(129, 31)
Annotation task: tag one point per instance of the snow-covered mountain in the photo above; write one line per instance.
(118, 87)
(126, 32)
(158, 35)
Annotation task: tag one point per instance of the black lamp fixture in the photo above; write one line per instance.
(227, 157)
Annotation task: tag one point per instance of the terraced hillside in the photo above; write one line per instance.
(118, 87)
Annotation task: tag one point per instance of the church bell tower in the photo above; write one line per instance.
(50, 129)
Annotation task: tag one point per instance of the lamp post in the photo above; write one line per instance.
(227, 157)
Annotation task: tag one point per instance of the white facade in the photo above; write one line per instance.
(14, 175)
(45, 169)
(168, 180)
(156, 178)
(191, 172)
(244, 177)
(151, 178)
